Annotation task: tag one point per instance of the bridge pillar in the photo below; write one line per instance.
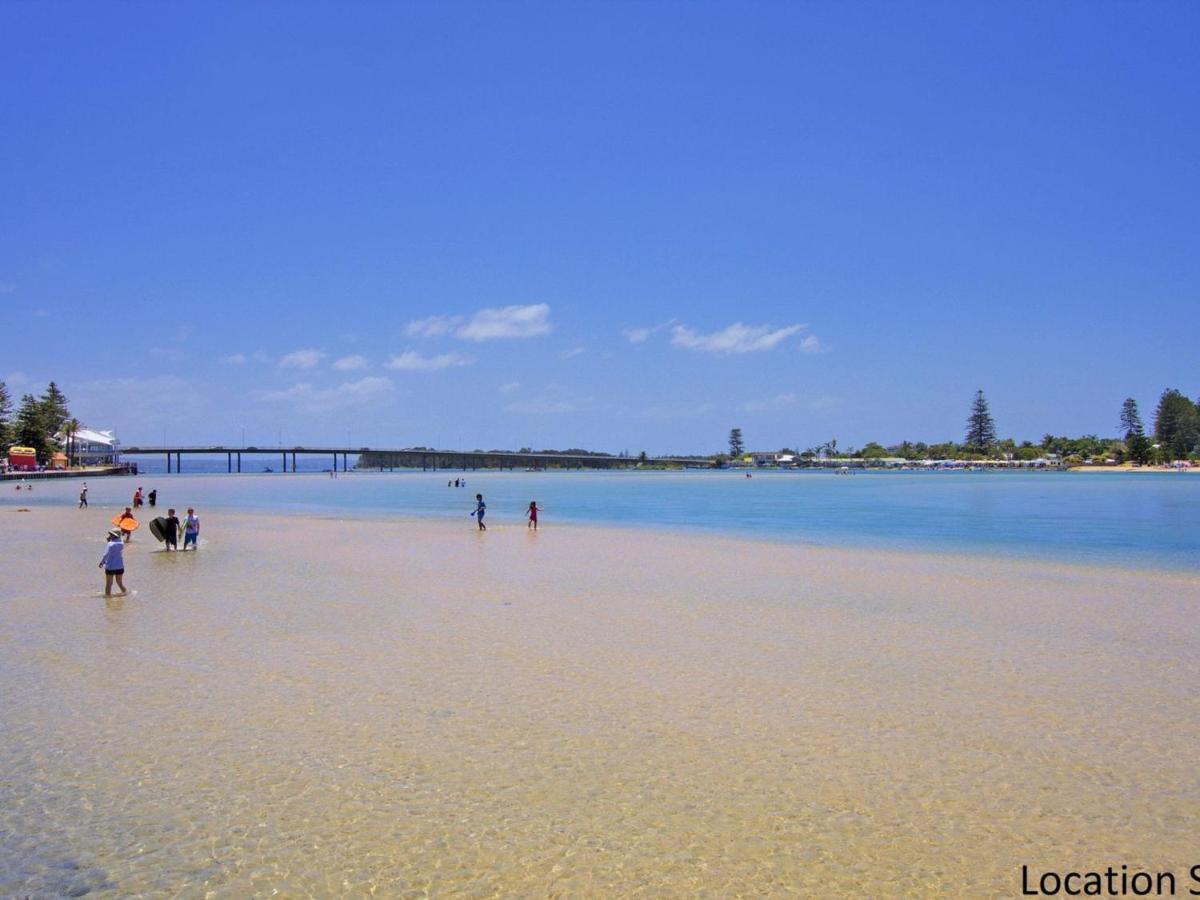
(168, 462)
(283, 468)
(239, 461)
(293, 461)
(178, 463)
(228, 462)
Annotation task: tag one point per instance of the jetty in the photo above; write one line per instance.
(411, 458)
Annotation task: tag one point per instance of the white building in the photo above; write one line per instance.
(94, 448)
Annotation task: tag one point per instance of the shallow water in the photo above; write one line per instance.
(310, 707)
(1150, 520)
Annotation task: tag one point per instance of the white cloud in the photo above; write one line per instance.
(811, 344)
(234, 359)
(260, 356)
(309, 399)
(16, 379)
(432, 326)
(737, 338)
(641, 335)
(349, 363)
(572, 353)
(509, 387)
(779, 401)
(508, 322)
(301, 359)
(411, 361)
(364, 388)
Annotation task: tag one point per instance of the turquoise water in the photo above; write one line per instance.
(1134, 520)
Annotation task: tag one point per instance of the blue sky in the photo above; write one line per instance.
(603, 225)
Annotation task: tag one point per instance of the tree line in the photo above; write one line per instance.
(1175, 436)
(39, 422)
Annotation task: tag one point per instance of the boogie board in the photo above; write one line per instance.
(158, 528)
(125, 523)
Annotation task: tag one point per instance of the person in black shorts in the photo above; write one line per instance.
(113, 562)
(171, 541)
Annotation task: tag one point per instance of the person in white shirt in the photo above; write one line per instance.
(191, 530)
(113, 562)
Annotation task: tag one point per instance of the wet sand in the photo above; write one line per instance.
(330, 707)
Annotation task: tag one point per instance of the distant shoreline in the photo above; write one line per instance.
(1155, 470)
(57, 474)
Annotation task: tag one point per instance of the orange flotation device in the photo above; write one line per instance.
(125, 523)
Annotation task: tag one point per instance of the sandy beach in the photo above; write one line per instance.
(323, 706)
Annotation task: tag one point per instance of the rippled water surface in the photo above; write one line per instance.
(333, 707)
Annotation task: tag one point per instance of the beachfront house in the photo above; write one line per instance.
(762, 458)
(95, 448)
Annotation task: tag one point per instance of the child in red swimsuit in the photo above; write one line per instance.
(533, 511)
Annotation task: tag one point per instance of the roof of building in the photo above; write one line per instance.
(90, 436)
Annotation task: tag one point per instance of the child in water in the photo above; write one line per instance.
(172, 531)
(113, 562)
(128, 514)
(534, 509)
(480, 511)
(191, 530)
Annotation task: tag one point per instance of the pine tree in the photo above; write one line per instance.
(30, 428)
(1131, 419)
(1138, 447)
(736, 447)
(5, 418)
(981, 428)
(54, 413)
(1176, 424)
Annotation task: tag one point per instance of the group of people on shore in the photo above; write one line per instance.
(170, 527)
(481, 510)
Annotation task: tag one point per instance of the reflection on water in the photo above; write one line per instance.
(329, 707)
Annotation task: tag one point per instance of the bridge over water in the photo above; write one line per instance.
(409, 457)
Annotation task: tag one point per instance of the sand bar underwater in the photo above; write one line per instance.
(324, 706)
